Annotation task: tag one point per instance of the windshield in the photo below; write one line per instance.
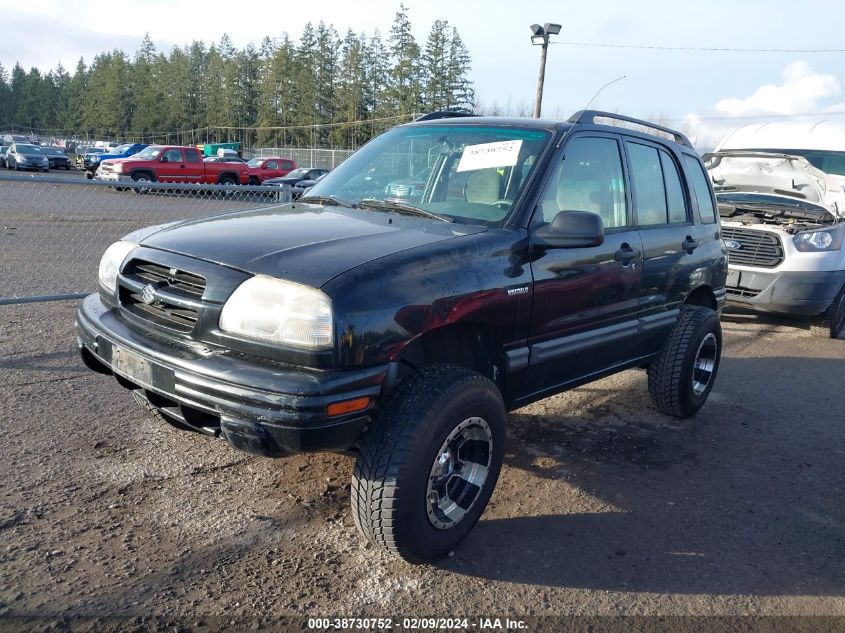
(472, 173)
(120, 149)
(52, 152)
(296, 173)
(148, 154)
(28, 150)
(828, 161)
(255, 162)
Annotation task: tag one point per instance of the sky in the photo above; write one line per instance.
(706, 93)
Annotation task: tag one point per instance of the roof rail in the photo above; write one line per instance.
(442, 114)
(588, 116)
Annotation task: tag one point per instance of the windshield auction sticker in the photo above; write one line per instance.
(486, 155)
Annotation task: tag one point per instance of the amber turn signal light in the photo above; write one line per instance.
(347, 406)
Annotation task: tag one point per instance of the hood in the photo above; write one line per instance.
(304, 243)
(777, 175)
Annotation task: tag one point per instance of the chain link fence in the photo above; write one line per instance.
(305, 157)
(54, 230)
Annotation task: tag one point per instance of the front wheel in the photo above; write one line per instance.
(429, 463)
(831, 322)
(682, 376)
(142, 178)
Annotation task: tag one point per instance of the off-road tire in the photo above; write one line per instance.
(671, 374)
(397, 452)
(831, 322)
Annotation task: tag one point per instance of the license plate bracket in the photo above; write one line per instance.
(733, 279)
(132, 366)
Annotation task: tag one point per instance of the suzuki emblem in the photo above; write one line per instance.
(148, 294)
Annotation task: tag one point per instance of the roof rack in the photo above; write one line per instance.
(442, 114)
(588, 116)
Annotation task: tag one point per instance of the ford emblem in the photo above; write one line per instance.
(148, 294)
(733, 245)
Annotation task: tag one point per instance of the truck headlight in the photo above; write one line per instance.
(815, 241)
(117, 168)
(279, 311)
(111, 261)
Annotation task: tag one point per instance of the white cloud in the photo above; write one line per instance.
(804, 90)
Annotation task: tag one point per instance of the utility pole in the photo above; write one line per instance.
(540, 37)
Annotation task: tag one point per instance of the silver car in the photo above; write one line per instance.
(26, 156)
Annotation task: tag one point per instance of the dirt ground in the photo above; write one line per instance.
(113, 521)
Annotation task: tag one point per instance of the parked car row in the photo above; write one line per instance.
(185, 164)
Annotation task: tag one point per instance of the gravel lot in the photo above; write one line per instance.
(111, 521)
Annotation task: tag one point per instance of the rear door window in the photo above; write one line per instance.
(647, 180)
(193, 155)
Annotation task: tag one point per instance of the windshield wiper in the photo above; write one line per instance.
(401, 207)
(328, 200)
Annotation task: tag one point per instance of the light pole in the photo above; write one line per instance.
(540, 37)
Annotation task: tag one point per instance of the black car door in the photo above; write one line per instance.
(585, 303)
(669, 237)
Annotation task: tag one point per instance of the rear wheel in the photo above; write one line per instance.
(429, 463)
(682, 376)
(831, 322)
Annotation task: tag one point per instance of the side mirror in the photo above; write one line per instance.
(571, 229)
(163, 159)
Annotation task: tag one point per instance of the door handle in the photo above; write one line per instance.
(626, 254)
(182, 166)
(690, 244)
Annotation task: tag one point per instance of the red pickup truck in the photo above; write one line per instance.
(165, 163)
(260, 169)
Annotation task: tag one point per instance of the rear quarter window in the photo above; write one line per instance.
(701, 189)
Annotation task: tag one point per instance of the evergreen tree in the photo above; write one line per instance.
(462, 93)
(405, 83)
(5, 96)
(378, 78)
(437, 93)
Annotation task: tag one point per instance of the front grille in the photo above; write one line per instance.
(745, 293)
(175, 306)
(757, 248)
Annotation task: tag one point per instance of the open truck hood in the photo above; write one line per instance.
(789, 184)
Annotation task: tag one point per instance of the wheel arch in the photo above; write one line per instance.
(467, 344)
(702, 296)
(144, 172)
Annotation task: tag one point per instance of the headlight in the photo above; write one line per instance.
(117, 168)
(280, 312)
(824, 240)
(22, 158)
(111, 261)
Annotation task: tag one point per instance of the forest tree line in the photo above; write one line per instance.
(314, 88)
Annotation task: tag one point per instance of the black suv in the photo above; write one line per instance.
(536, 257)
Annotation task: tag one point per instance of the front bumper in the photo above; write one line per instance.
(261, 408)
(111, 176)
(797, 293)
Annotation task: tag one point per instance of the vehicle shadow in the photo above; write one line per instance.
(735, 317)
(744, 498)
